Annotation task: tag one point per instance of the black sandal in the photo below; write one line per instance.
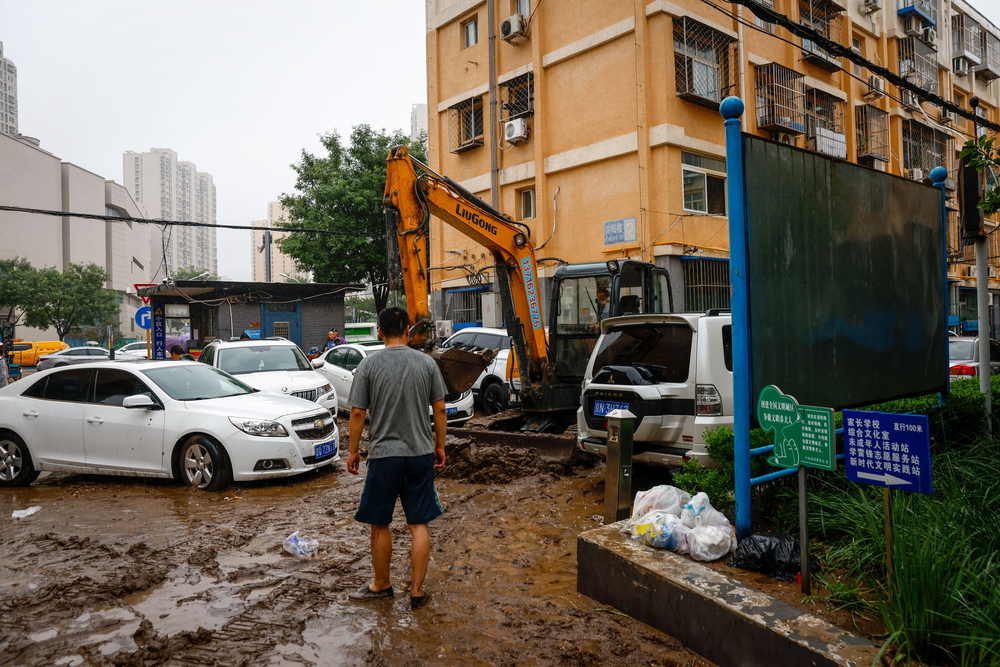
(366, 593)
(416, 602)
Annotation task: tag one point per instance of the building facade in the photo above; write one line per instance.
(8, 96)
(599, 125)
(169, 189)
(282, 266)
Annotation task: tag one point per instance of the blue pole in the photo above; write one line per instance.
(938, 176)
(731, 109)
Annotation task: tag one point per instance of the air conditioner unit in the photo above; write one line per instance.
(872, 5)
(929, 37)
(876, 87)
(946, 116)
(960, 66)
(916, 174)
(784, 138)
(513, 29)
(443, 328)
(913, 25)
(909, 99)
(515, 131)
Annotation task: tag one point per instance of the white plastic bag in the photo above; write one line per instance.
(665, 498)
(663, 530)
(21, 514)
(710, 542)
(300, 546)
(699, 512)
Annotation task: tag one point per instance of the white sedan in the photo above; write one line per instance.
(339, 363)
(158, 419)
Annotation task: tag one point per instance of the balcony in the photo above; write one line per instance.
(780, 96)
(811, 52)
(925, 9)
(989, 69)
(966, 39)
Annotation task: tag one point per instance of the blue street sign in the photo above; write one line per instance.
(885, 449)
(159, 334)
(144, 317)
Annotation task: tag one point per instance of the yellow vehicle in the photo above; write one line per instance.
(27, 353)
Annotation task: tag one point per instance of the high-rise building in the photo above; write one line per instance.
(8, 96)
(418, 121)
(169, 189)
(283, 267)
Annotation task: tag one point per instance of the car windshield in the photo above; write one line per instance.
(195, 382)
(664, 348)
(960, 350)
(263, 358)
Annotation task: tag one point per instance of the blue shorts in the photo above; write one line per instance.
(409, 478)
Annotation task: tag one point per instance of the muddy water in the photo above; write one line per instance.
(116, 571)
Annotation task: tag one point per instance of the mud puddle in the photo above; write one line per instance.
(118, 571)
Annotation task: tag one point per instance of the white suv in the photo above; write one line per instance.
(273, 365)
(673, 372)
(491, 388)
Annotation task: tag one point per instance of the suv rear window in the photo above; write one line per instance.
(664, 348)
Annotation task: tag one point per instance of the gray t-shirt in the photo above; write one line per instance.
(396, 385)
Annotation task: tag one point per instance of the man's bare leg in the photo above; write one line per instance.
(420, 556)
(381, 557)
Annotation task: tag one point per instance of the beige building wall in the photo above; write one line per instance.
(282, 266)
(610, 135)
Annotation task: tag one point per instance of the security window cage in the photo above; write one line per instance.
(761, 23)
(466, 125)
(706, 284)
(990, 67)
(705, 63)
(517, 97)
(925, 148)
(966, 38)
(780, 95)
(465, 306)
(823, 17)
(926, 9)
(918, 63)
(825, 123)
(872, 133)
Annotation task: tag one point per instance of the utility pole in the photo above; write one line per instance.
(973, 224)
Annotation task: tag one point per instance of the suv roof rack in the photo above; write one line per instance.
(717, 311)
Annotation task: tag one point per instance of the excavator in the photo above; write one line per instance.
(550, 350)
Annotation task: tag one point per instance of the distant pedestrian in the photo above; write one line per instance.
(396, 386)
(333, 339)
(3, 365)
(244, 336)
(177, 352)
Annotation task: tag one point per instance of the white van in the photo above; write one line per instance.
(673, 372)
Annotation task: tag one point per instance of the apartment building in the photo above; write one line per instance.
(282, 266)
(596, 123)
(170, 189)
(8, 95)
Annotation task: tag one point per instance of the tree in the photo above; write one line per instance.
(18, 279)
(75, 297)
(342, 192)
(983, 156)
(193, 273)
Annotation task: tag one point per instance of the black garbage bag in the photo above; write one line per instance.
(774, 555)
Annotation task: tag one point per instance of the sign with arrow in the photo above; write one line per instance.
(890, 450)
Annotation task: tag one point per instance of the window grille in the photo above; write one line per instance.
(761, 23)
(990, 69)
(873, 133)
(466, 125)
(918, 63)
(705, 63)
(823, 17)
(517, 97)
(925, 148)
(780, 97)
(706, 284)
(464, 307)
(928, 8)
(966, 38)
(282, 329)
(825, 123)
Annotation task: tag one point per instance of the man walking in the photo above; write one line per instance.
(396, 385)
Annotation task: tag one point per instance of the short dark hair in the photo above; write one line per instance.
(393, 321)
(177, 349)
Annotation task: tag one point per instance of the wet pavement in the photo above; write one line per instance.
(121, 571)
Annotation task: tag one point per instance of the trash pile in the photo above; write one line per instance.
(666, 517)
(300, 546)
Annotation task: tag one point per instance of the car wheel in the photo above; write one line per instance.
(203, 464)
(494, 398)
(16, 468)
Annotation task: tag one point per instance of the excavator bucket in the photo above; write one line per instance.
(459, 367)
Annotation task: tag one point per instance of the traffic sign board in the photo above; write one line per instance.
(803, 434)
(144, 317)
(138, 286)
(885, 449)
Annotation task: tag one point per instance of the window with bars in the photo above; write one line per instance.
(466, 125)
(517, 97)
(918, 63)
(780, 96)
(966, 38)
(872, 134)
(825, 123)
(464, 306)
(704, 62)
(706, 284)
(761, 23)
(924, 148)
(823, 17)
(990, 69)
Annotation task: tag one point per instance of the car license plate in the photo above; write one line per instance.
(602, 408)
(326, 449)
(451, 412)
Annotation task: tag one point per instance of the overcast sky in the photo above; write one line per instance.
(238, 87)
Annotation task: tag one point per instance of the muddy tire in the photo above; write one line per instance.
(203, 464)
(494, 398)
(16, 468)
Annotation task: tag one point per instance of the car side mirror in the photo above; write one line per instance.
(140, 401)
(317, 363)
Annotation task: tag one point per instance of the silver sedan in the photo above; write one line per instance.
(72, 355)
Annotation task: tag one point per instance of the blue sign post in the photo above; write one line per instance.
(159, 334)
(889, 450)
(144, 318)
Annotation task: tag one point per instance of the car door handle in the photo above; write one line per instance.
(95, 420)
(30, 413)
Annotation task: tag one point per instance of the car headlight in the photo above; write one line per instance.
(260, 427)
(325, 389)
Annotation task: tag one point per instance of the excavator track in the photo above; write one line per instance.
(504, 429)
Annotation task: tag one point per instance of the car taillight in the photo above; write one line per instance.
(708, 400)
(962, 369)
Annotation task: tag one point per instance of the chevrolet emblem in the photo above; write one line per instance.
(320, 423)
